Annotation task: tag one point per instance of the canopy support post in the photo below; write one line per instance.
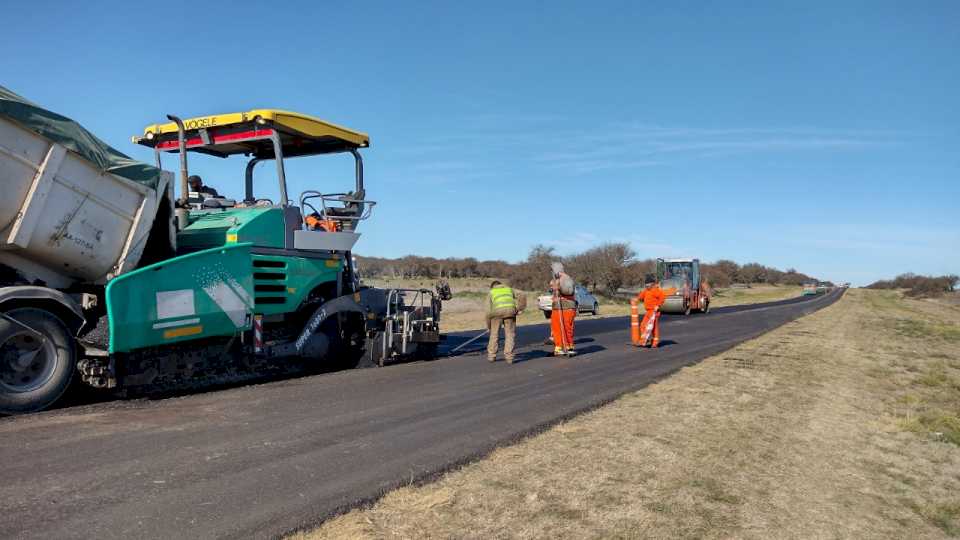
(278, 156)
(359, 173)
(248, 181)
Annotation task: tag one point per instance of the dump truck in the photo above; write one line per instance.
(107, 277)
(692, 290)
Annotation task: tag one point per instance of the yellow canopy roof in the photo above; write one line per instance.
(304, 134)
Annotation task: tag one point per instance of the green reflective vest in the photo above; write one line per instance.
(502, 299)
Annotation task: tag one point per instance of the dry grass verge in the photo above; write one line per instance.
(754, 295)
(840, 424)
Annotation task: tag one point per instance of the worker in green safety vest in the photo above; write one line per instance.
(502, 309)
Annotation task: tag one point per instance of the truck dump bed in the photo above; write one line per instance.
(74, 210)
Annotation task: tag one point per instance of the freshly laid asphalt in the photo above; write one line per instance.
(260, 461)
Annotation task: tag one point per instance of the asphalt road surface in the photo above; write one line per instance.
(263, 460)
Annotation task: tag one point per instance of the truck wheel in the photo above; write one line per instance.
(37, 360)
(686, 309)
(596, 309)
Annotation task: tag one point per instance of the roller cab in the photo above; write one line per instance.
(692, 290)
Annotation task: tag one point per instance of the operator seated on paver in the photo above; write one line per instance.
(563, 311)
(652, 297)
(206, 192)
(502, 309)
(316, 222)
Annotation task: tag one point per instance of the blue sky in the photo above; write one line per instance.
(822, 136)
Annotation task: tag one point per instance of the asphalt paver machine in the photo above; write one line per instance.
(202, 289)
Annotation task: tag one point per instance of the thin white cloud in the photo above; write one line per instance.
(444, 166)
(645, 247)
(575, 242)
(595, 165)
(548, 142)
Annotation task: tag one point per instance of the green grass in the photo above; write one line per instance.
(938, 376)
(933, 407)
(914, 328)
(475, 295)
(945, 424)
(946, 516)
(911, 323)
(729, 297)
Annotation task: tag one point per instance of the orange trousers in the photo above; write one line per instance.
(656, 328)
(561, 326)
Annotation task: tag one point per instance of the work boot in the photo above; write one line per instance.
(571, 352)
(509, 360)
(558, 351)
(491, 359)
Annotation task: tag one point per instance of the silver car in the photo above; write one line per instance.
(586, 302)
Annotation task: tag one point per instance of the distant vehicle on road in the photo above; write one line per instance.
(809, 289)
(586, 302)
(692, 290)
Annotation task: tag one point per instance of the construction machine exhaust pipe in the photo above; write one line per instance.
(181, 207)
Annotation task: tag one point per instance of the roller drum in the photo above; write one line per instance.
(673, 304)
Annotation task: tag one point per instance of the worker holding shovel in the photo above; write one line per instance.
(563, 311)
(503, 306)
(652, 296)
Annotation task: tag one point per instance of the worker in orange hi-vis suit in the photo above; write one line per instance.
(563, 311)
(652, 297)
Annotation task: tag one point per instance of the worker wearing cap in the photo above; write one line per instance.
(652, 297)
(501, 310)
(196, 185)
(563, 311)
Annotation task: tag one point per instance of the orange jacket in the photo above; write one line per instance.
(654, 297)
(315, 223)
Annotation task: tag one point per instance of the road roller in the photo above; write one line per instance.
(692, 290)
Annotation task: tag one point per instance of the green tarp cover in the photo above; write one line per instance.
(74, 137)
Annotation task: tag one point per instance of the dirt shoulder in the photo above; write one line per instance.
(843, 423)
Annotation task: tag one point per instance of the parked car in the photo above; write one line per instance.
(586, 302)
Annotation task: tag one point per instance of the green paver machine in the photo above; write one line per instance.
(221, 289)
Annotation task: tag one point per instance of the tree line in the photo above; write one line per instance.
(603, 269)
(917, 285)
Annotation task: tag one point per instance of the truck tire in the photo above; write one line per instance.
(686, 309)
(34, 373)
(596, 309)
